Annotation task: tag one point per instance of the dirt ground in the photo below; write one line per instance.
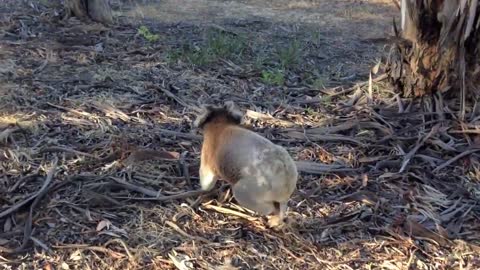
(99, 159)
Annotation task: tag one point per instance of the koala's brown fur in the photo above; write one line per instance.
(263, 175)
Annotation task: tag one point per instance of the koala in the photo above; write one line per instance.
(263, 175)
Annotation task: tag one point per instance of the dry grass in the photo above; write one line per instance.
(96, 143)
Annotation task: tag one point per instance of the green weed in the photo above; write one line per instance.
(199, 57)
(319, 83)
(289, 57)
(276, 77)
(309, 111)
(224, 45)
(326, 100)
(216, 46)
(146, 34)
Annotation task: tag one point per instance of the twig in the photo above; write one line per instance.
(69, 109)
(22, 180)
(230, 212)
(41, 244)
(182, 195)
(184, 169)
(192, 137)
(455, 158)
(130, 255)
(184, 233)
(112, 253)
(64, 149)
(132, 187)
(318, 168)
(419, 144)
(171, 95)
(27, 233)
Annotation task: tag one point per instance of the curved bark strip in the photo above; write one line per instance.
(97, 10)
(439, 48)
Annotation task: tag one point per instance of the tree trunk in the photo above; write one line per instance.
(438, 49)
(97, 10)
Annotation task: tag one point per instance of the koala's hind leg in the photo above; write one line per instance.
(208, 179)
(278, 217)
(250, 196)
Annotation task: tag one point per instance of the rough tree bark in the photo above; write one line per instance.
(97, 10)
(437, 50)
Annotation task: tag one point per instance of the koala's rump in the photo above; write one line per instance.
(250, 157)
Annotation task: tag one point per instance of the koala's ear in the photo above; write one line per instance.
(203, 116)
(229, 106)
(233, 112)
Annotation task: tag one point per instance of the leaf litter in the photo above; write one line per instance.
(99, 162)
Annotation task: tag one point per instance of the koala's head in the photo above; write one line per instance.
(211, 113)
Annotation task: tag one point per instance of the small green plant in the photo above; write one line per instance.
(319, 83)
(217, 45)
(326, 100)
(259, 62)
(290, 56)
(199, 57)
(174, 55)
(146, 34)
(276, 77)
(224, 45)
(309, 111)
(316, 38)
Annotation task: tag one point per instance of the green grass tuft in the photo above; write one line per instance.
(276, 77)
(146, 34)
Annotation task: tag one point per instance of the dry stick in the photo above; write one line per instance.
(125, 246)
(182, 195)
(22, 180)
(125, 184)
(419, 144)
(184, 233)
(64, 149)
(455, 158)
(174, 97)
(17, 206)
(93, 248)
(28, 224)
(68, 109)
(192, 137)
(230, 212)
(319, 168)
(184, 169)
(41, 244)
